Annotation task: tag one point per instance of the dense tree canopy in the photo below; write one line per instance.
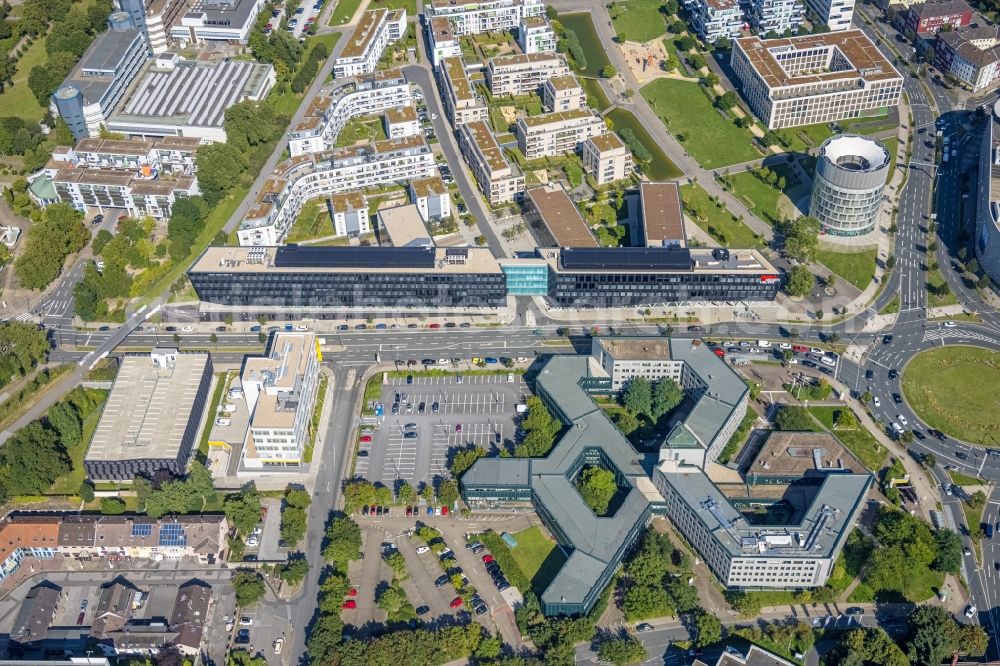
(597, 487)
(801, 238)
(800, 281)
(540, 429)
(343, 542)
(60, 233)
(22, 346)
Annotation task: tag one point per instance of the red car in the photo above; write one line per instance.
(353, 592)
(487, 559)
(365, 439)
(444, 511)
(409, 511)
(456, 602)
(435, 326)
(350, 604)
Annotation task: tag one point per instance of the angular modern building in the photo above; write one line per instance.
(442, 42)
(811, 79)
(461, 103)
(216, 20)
(554, 219)
(523, 73)
(987, 242)
(971, 55)
(535, 35)
(716, 19)
(497, 178)
(563, 93)
(851, 173)
(470, 18)
(553, 134)
(607, 158)
(151, 418)
(375, 31)
(775, 16)
(836, 14)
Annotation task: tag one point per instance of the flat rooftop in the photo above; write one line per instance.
(866, 62)
(607, 142)
(560, 217)
(645, 260)
(228, 13)
(441, 29)
(521, 59)
(455, 71)
(401, 114)
(487, 145)
(347, 201)
(559, 117)
(136, 147)
(314, 259)
(93, 74)
(568, 82)
(363, 34)
(404, 226)
(193, 92)
(425, 187)
(662, 216)
(280, 376)
(149, 407)
(789, 453)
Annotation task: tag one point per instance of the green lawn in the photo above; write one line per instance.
(409, 5)
(637, 20)
(935, 281)
(343, 12)
(690, 116)
(867, 126)
(860, 442)
(858, 268)
(362, 128)
(760, 197)
(18, 96)
(718, 222)
(799, 139)
(892, 307)
(221, 382)
(960, 479)
(312, 222)
(537, 556)
(953, 389)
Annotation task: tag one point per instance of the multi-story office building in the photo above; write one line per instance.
(402, 226)
(349, 277)
(461, 104)
(971, 55)
(86, 98)
(299, 179)
(401, 122)
(327, 116)
(987, 240)
(442, 42)
(217, 20)
(716, 19)
(775, 16)
(563, 93)
(836, 14)
(523, 73)
(280, 390)
(557, 133)
(718, 517)
(470, 18)
(189, 98)
(607, 158)
(929, 18)
(596, 544)
(535, 35)
(375, 31)
(554, 219)
(850, 175)
(661, 215)
(349, 211)
(498, 179)
(88, 536)
(152, 416)
(143, 177)
(431, 198)
(815, 78)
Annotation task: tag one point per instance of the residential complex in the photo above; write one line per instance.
(775, 16)
(86, 98)
(554, 219)
(85, 536)
(315, 175)
(189, 98)
(563, 93)
(469, 18)
(375, 31)
(929, 18)
(326, 117)
(797, 81)
(349, 211)
(431, 198)
(971, 55)
(606, 158)
(523, 73)
(152, 416)
(661, 215)
(835, 14)
(851, 174)
(442, 41)
(143, 177)
(716, 19)
(557, 133)
(280, 391)
(401, 122)
(535, 35)
(498, 179)
(461, 103)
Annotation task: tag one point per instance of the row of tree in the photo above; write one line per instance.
(359, 493)
(294, 517)
(58, 234)
(540, 430)
(653, 584)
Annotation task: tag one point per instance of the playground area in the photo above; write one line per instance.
(644, 60)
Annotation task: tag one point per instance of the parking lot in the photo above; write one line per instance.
(436, 415)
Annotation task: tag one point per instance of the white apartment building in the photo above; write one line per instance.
(971, 55)
(375, 31)
(401, 122)
(811, 79)
(470, 18)
(430, 195)
(716, 19)
(557, 133)
(327, 116)
(775, 16)
(280, 391)
(461, 103)
(349, 211)
(523, 73)
(836, 14)
(443, 42)
(535, 35)
(563, 93)
(216, 20)
(606, 158)
(500, 181)
(160, 17)
(299, 179)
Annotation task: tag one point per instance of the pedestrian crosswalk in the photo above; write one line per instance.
(942, 334)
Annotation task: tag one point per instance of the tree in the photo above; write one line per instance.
(743, 603)
(801, 238)
(709, 629)
(667, 394)
(406, 493)
(294, 570)
(597, 487)
(932, 633)
(187, 220)
(60, 233)
(638, 396)
(243, 508)
(393, 601)
(642, 601)
(298, 498)
(447, 492)
(22, 346)
(249, 587)
(31, 460)
(609, 71)
(949, 552)
(800, 281)
(685, 596)
(463, 459)
(112, 506)
(248, 124)
(540, 429)
(626, 421)
(844, 419)
(726, 100)
(622, 651)
(86, 492)
(220, 167)
(343, 542)
(293, 525)
(870, 646)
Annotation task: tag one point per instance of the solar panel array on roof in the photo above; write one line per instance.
(172, 534)
(296, 256)
(141, 529)
(627, 258)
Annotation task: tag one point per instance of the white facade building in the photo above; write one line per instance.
(375, 31)
(607, 158)
(535, 35)
(523, 73)
(470, 18)
(716, 19)
(443, 42)
(431, 198)
(557, 133)
(500, 181)
(217, 20)
(836, 14)
(777, 16)
(461, 103)
(563, 93)
(401, 121)
(350, 214)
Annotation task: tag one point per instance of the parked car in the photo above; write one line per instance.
(422, 549)
(350, 604)
(456, 602)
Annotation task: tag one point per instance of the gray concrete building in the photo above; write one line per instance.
(850, 176)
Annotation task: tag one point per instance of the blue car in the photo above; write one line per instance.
(430, 511)
(490, 360)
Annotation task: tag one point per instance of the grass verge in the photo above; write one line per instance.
(857, 268)
(716, 220)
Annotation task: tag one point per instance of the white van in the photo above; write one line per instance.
(222, 421)
(766, 344)
(826, 360)
(510, 377)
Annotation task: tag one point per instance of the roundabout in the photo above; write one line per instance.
(953, 389)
